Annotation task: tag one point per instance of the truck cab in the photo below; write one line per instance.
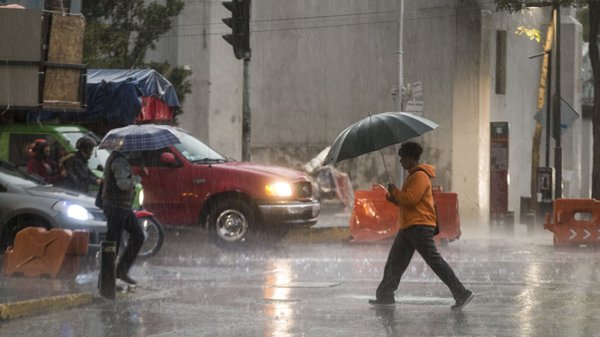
(190, 183)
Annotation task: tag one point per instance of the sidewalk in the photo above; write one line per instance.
(23, 296)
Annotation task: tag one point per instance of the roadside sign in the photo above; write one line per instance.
(417, 89)
(414, 106)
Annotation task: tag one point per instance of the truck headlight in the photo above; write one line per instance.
(73, 211)
(279, 189)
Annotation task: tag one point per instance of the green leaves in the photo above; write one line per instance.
(118, 35)
(532, 33)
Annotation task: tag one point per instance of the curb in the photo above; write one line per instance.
(30, 307)
(319, 235)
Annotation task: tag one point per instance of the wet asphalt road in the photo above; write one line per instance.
(524, 287)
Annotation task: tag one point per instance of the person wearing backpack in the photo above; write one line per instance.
(118, 191)
(417, 224)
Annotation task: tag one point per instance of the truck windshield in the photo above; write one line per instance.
(195, 151)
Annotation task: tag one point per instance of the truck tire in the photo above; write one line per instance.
(230, 223)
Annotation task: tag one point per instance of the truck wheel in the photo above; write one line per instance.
(230, 223)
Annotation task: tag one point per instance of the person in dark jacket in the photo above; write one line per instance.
(118, 191)
(79, 176)
(417, 222)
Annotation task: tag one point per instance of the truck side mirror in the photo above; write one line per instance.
(167, 158)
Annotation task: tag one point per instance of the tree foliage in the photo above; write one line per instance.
(119, 33)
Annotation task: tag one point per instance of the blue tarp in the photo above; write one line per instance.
(115, 95)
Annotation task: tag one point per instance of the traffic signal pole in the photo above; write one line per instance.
(239, 39)
(246, 114)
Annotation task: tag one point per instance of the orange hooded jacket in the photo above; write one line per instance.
(415, 200)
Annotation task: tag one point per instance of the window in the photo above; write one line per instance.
(501, 62)
(19, 145)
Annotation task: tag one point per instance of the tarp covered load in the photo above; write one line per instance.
(120, 96)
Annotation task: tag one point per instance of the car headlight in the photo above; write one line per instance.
(74, 211)
(279, 189)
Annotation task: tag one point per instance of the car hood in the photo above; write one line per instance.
(268, 170)
(52, 192)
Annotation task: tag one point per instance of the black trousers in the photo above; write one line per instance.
(118, 220)
(419, 238)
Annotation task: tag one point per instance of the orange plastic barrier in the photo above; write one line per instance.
(41, 252)
(575, 222)
(374, 218)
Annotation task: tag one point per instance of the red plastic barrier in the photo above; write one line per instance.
(374, 218)
(575, 222)
(41, 252)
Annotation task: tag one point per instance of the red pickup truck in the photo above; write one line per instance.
(190, 183)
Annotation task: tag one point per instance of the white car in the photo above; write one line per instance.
(25, 202)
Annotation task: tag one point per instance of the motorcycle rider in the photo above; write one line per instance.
(79, 176)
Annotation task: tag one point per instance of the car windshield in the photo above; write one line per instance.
(12, 176)
(196, 151)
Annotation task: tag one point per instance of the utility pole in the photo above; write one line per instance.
(556, 107)
(400, 55)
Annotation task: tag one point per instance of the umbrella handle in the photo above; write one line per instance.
(386, 170)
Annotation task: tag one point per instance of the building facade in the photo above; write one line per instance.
(318, 66)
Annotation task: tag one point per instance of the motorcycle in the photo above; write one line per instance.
(152, 228)
(153, 234)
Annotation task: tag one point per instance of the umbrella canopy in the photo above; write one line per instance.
(139, 138)
(376, 132)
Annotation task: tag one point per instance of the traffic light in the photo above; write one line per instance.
(239, 22)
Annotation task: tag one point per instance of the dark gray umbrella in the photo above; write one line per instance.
(140, 138)
(376, 132)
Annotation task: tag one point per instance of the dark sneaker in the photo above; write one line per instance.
(379, 302)
(464, 300)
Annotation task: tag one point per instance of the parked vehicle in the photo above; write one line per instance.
(191, 184)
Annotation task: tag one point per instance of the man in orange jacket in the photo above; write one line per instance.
(417, 226)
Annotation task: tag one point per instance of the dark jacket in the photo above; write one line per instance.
(118, 189)
(79, 176)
